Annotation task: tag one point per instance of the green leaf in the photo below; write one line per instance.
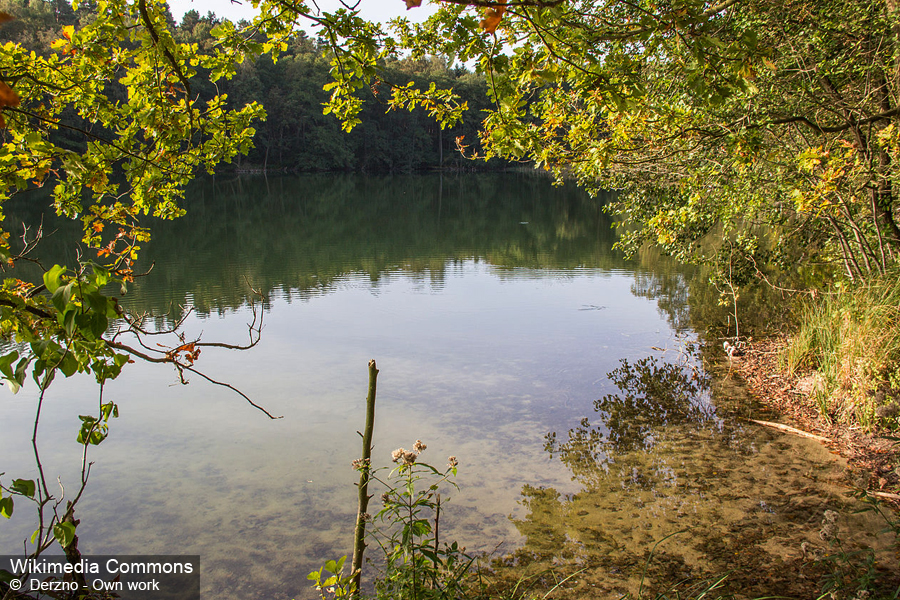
(99, 302)
(64, 533)
(87, 426)
(26, 487)
(21, 367)
(101, 276)
(69, 321)
(99, 323)
(13, 386)
(51, 278)
(68, 365)
(62, 296)
(6, 362)
(109, 409)
(6, 507)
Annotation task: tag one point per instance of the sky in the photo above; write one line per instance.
(375, 10)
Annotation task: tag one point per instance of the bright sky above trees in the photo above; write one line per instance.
(376, 10)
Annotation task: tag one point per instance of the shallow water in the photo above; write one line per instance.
(495, 309)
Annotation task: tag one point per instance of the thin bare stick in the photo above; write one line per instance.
(887, 495)
(789, 429)
(437, 526)
(365, 466)
(230, 387)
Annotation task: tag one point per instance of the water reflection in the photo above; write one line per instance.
(658, 465)
(300, 237)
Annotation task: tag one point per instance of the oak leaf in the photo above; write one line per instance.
(492, 17)
(7, 98)
(413, 4)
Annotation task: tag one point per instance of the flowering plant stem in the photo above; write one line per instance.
(359, 534)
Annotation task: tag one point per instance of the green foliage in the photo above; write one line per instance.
(397, 129)
(98, 106)
(64, 533)
(104, 110)
(849, 344)
(94, 430)
(25, 487)
(335, 584)
(417, 565)
(406, 529)
(706, 116)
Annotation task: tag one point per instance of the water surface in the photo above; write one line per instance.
(495, 307)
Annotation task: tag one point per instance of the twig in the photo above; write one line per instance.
(180, 366)
(887, 495)
(789, 429)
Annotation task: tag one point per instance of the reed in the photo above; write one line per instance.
(849, 341)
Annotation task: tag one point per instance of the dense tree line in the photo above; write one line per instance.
(296, 135)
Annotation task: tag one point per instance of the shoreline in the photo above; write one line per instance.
(871, 458)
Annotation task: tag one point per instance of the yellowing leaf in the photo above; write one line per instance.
(492, 18)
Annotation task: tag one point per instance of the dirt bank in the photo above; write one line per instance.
(872, 458)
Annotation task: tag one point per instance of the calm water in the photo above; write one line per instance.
(495, 308)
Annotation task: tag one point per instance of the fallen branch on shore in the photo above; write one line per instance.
(884, 495)
(790, 429)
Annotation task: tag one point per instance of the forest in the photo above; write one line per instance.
(296, 136)
(757, 141)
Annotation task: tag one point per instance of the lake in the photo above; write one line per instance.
(496, 308)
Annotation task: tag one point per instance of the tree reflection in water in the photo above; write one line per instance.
(659, 462)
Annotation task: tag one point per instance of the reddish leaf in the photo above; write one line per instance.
(7, 96)
(492, 17)
(413, 4)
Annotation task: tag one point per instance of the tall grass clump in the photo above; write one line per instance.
(849, 341)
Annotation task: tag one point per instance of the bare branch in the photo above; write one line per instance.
(232, 388)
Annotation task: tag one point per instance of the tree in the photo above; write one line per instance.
(100, 105)
(709, 117)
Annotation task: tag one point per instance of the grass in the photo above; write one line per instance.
(850, 341)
